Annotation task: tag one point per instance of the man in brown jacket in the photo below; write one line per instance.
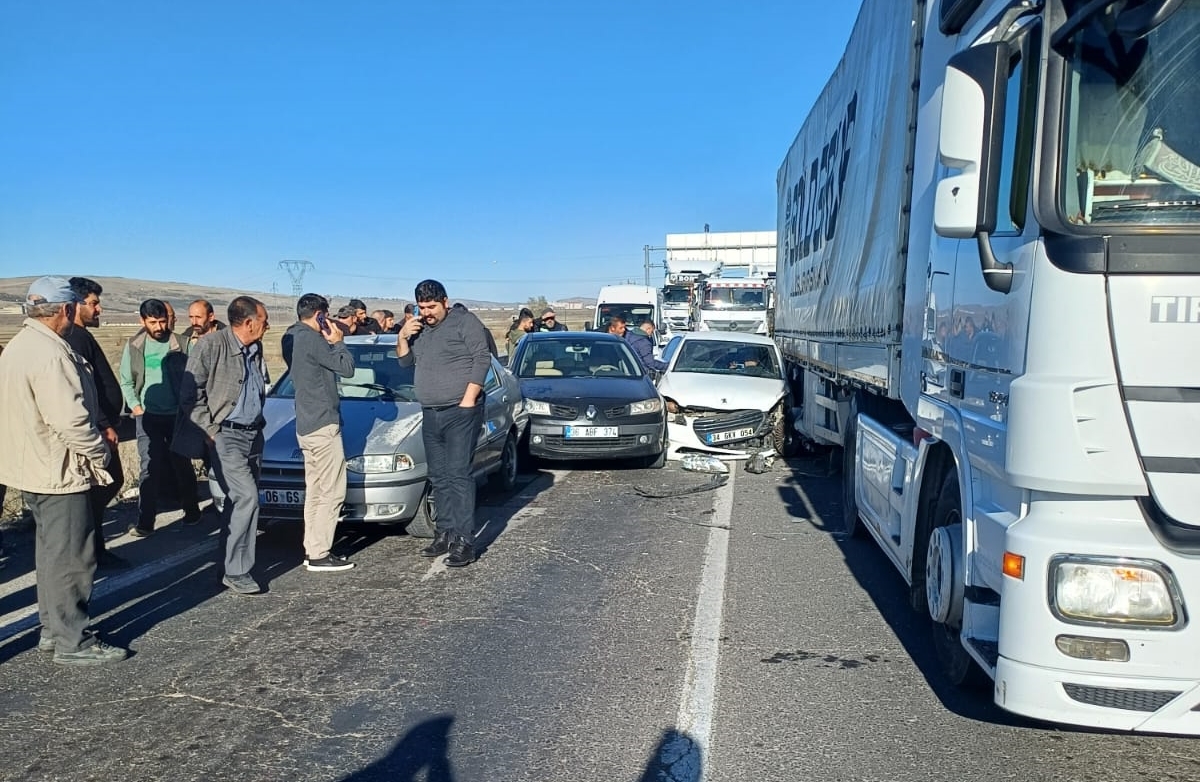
(54, 454)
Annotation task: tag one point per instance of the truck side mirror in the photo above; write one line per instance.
(970, 139)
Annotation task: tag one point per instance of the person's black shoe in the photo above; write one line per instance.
(106, 560)
(462, 553)
(440, 545)
(331, 563)
(192, 518)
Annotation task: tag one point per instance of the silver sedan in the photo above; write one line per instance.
(387, 477)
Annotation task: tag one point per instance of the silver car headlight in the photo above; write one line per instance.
(537, 408)
(374, 463)
(1097, 590)
(645, 406)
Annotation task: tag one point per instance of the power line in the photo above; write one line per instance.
(296, 270)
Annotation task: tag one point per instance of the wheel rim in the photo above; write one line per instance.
(508, 462)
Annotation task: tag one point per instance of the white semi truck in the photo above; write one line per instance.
(679, 292)
(988, 296)
(731, 304)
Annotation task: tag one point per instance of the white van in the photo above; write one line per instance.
(635, 303)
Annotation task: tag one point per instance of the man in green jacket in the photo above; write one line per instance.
(151, 372)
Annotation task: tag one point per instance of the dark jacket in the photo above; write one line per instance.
(644, 349)
(107, 385)
(212, 384)
(447, 357)
(312, 363)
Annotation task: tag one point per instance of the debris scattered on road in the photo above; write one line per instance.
(714, 482)
(761, 461)
(702, 462)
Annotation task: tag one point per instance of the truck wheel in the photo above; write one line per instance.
(944, 585)
(851, 525)
(423, 524)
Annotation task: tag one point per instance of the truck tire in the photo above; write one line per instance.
(957, 665)
(852, 526)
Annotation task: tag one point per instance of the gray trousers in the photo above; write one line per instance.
(236, 459)
(65, 559)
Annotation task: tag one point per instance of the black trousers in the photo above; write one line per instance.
(100, 496)
(450, 436)
(154, 434)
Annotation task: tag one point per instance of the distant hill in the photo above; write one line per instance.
(123, 296)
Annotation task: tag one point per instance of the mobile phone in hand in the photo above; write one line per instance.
(323, 322)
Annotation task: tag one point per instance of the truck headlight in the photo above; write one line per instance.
(372, 463)
(1097, 590)
(645, 406)
(536, 407)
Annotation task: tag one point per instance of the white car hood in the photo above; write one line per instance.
(721, 392)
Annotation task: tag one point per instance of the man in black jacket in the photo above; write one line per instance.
(449, 347)
(314, 352)
(87, 315)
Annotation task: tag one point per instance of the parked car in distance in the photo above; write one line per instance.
(588, 397)
(725, 394)
(387, 477)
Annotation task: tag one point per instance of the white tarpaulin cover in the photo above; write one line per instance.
(843, 191)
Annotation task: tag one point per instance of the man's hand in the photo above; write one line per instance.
(333, 336)
(411, 328)
(110, 436)
(137, 411)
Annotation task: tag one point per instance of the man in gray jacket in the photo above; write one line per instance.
(220, 409)
(54, 454)
(449, 347)
(314, 353)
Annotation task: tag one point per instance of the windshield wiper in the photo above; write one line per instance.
(373, 387)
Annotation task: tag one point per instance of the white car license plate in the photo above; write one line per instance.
(281, 496)
(736, 434)
(571, 432)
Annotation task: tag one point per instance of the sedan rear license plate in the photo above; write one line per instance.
(590, 431)
(281, 496)
(735, 434)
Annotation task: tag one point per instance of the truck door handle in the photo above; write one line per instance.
(957, 382)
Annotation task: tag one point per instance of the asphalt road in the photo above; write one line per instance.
(723, 635)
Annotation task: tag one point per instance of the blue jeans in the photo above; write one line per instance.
(450, 436)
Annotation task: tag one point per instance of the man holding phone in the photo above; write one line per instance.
(314, 352)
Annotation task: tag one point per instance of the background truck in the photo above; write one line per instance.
(988, 296)
(731, 304)
(679, 293)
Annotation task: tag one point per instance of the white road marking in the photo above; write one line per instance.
(699, 700)
(23, 619)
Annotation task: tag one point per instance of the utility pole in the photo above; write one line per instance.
(296, 270)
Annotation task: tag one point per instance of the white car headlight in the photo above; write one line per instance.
(537, 408)
(1102, 591)
(373, 463)
(645, 406)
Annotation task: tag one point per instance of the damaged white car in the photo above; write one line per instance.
(725, 394)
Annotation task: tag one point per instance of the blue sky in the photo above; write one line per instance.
(513, 149)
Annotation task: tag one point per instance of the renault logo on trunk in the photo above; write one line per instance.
(591, 413)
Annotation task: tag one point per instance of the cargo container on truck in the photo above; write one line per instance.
(988, 295)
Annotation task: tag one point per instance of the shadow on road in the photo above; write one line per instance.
(423, 753)
(677, 758)
(820, 477)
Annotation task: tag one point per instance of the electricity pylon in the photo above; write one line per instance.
(296, 270)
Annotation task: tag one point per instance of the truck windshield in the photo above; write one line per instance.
(676, 294)
(1132, 124)
(733, 299)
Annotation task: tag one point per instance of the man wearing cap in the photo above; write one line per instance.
(549, 322)
(54, 454)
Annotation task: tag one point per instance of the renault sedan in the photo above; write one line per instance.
(387, 477)
(588, 397)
